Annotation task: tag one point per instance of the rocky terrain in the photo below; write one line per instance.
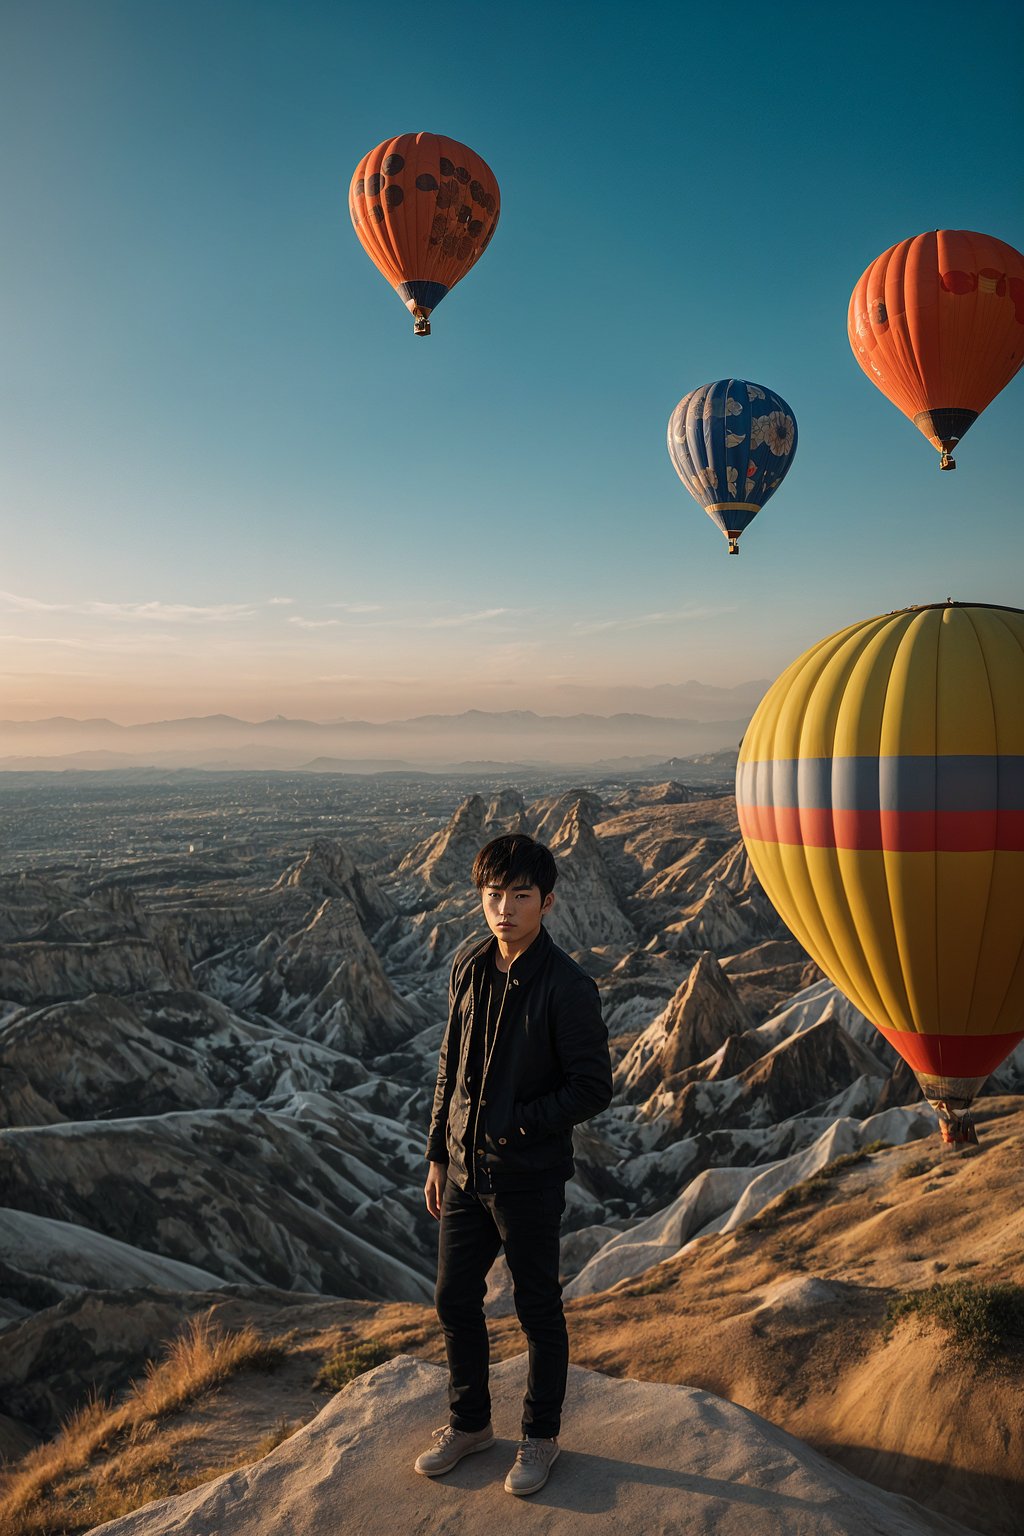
(219, 1023)
(649, 1458)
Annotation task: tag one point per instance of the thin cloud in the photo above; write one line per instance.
(172, 613)
(457, 621)
(312, 623)
(279, 602)
(358, 607)
(168, 613)
(368, 684)
(125, 644)
(645, 620)
(31, 604)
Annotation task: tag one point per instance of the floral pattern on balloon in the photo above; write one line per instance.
(732, 441)
(777, 430)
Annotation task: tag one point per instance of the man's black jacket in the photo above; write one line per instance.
(548, 1071)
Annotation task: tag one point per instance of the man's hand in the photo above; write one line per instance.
(433, 1189)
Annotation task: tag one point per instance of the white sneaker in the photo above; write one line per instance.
(450, 1445)
(533, 1463)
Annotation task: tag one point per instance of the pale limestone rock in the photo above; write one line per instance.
(328, 870)
(446, 857)
(37, 970)
(328, 982)
(586, 913)
(638, 1458)
(722, 1199)
(721, 921)
(150, 1053)
(545, 817)
(700, 1017)
(71, 1258)
(312, 1193)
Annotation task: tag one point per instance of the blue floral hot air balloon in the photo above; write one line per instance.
(732, 444)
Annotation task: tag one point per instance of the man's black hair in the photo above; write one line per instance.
(515, 860)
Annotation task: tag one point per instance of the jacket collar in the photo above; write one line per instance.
(525, 967)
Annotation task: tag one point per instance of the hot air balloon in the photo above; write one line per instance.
(880, 791)
(732, 444)
(937, 322)
(424, 209)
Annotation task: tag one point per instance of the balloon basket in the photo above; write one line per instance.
(947, 461)
(956, 1126)
(421, 325)
(734, 546)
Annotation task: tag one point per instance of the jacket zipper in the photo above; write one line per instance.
(487, 1062)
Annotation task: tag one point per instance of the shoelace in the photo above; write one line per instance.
(531, 1450)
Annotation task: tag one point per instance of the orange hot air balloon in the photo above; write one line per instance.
(424, 209)
(937, 322)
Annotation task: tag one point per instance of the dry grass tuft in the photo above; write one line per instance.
(985, 1320)
(56, 1490)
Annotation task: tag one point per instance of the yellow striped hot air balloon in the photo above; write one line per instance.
(880, 790)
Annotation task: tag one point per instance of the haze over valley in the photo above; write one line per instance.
(648, 726)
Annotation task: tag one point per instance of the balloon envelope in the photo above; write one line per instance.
(424, 209)
(731, 444)
(937, 322)
(880, 793)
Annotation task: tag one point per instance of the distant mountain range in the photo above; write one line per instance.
(512, 737)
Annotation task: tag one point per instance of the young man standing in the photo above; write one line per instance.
(524, 1059)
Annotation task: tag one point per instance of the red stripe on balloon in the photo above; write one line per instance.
(892, 831)
(951, 1055)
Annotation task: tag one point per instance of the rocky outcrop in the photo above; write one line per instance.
(547, 816)
(20, 1101)
(506, 813)
(98, 1057)
(43, 1260)
(642, 1450)
(29, 901)
(586, 914)
(671, 792)
(721, 1199)
(328, 982)
(766, 975)
(36, 970)
(109, 911)
(95, 1343)
(314, 1194)
(696, 1022)
(795, 1077)
(61, 944)
(722, 921)
(328, 872)
(446, 858)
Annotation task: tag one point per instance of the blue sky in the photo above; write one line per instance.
(231, 479)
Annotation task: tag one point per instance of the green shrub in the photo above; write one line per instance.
(984, 1319)
(350, 1360)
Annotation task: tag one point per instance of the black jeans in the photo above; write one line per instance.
(473, 1228)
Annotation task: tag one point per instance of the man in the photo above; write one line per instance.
(524, 1059)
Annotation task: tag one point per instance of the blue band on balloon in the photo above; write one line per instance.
(947, 782)
(425, 295)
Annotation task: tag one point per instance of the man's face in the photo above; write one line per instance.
(514, 912)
